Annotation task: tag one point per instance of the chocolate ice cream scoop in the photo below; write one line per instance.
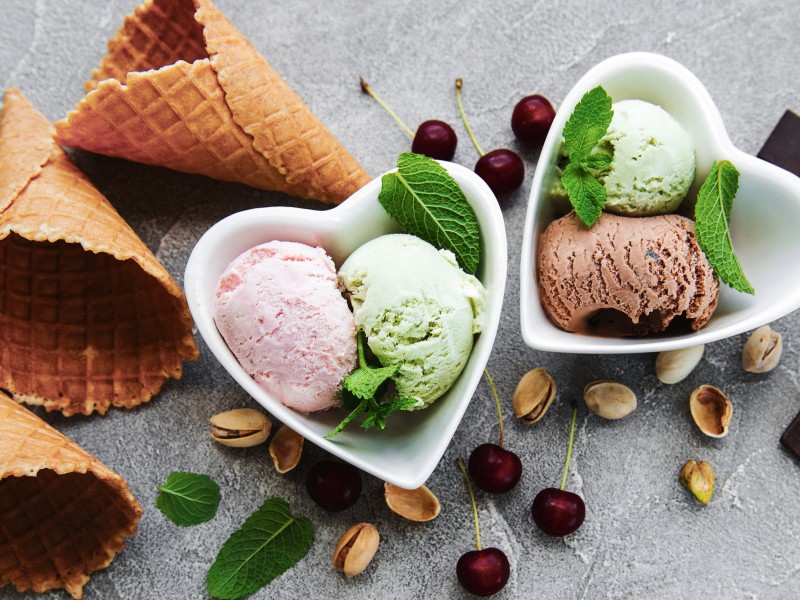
(625, 276)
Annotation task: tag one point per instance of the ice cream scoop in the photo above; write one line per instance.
(653, 160)
(279, 308)
(417, 309)
(625, 275)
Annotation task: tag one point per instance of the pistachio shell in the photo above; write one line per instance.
(285, 448)
(415, 505)
(533, 396)
(711, 410)
(355, 549)
(609, 399)
(698, 478)
(762, 351)
(240, 428)
(676, 365)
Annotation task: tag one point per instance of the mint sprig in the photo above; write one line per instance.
(427, 202)
(585, 127)
(364, 384)
(712, 216)
(188, 498)
(269, 542)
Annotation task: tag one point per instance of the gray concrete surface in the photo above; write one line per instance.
(644, 536)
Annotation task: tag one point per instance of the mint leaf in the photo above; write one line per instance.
(712, 215)
(585, 127)
(379, 412)
(597, 161)
(269, 542)
(586, 194)
(188, 498)
(587, 124)
(364, 383)
(427, 202)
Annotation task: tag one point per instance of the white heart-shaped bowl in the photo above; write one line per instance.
(763, 221)
(408, 450)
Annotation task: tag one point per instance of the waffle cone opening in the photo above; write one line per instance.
(55, 530)
(83, 329)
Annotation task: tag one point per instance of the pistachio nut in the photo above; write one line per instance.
(285, 449)
(533, 396)
(609, 399)
(240, 428)
(415, 505)
(355, 549)
(711, 410)
(698, 478)
(676, 365)
(762, 351)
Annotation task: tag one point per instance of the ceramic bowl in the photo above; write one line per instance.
(763, 221)
(407, 451)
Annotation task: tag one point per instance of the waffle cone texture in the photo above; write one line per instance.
(182, 88)
(88, 316)
(63, 514)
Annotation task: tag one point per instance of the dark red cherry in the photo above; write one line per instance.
(333, 485)
(558, 512)
(502, 170)
(483, 572)
(494, 469)
(435, 139)
(532, 118)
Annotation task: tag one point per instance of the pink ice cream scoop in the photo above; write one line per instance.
(279, 309)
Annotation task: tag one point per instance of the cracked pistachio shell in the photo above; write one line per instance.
(698, 478)
(355, 549)
(676, 365)
(609, 399)
(711, 410)
(533, 396)
(240, 428)
(415, 505)
(285, 448)
(762, 350)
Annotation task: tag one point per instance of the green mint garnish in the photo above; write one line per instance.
(363, 384)
(269, 542)
(585, 127)
(188, 498)
(427, 202)
(712, 216)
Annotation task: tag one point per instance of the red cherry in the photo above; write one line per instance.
(335, 486)
(532, 118)
(494, 469)
(483, 572)
(558, 512)
(435, 139)
(502, 170)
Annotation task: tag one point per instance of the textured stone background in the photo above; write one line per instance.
(644, 536)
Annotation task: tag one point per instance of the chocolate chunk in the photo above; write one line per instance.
(791, 437)
(782, 147)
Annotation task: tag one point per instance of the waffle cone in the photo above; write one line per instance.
(88, 316)
(63, 513)
(182, 88)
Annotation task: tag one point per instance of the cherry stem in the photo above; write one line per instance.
(496, 403)
(472, 500)
(365, 87)
(569, 448)
(459, 83)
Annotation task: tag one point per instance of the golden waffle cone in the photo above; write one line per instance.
(63, 514)
(88, 316)
(186, 90)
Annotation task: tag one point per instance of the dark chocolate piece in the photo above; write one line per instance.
(782, 147)
(791, 437)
